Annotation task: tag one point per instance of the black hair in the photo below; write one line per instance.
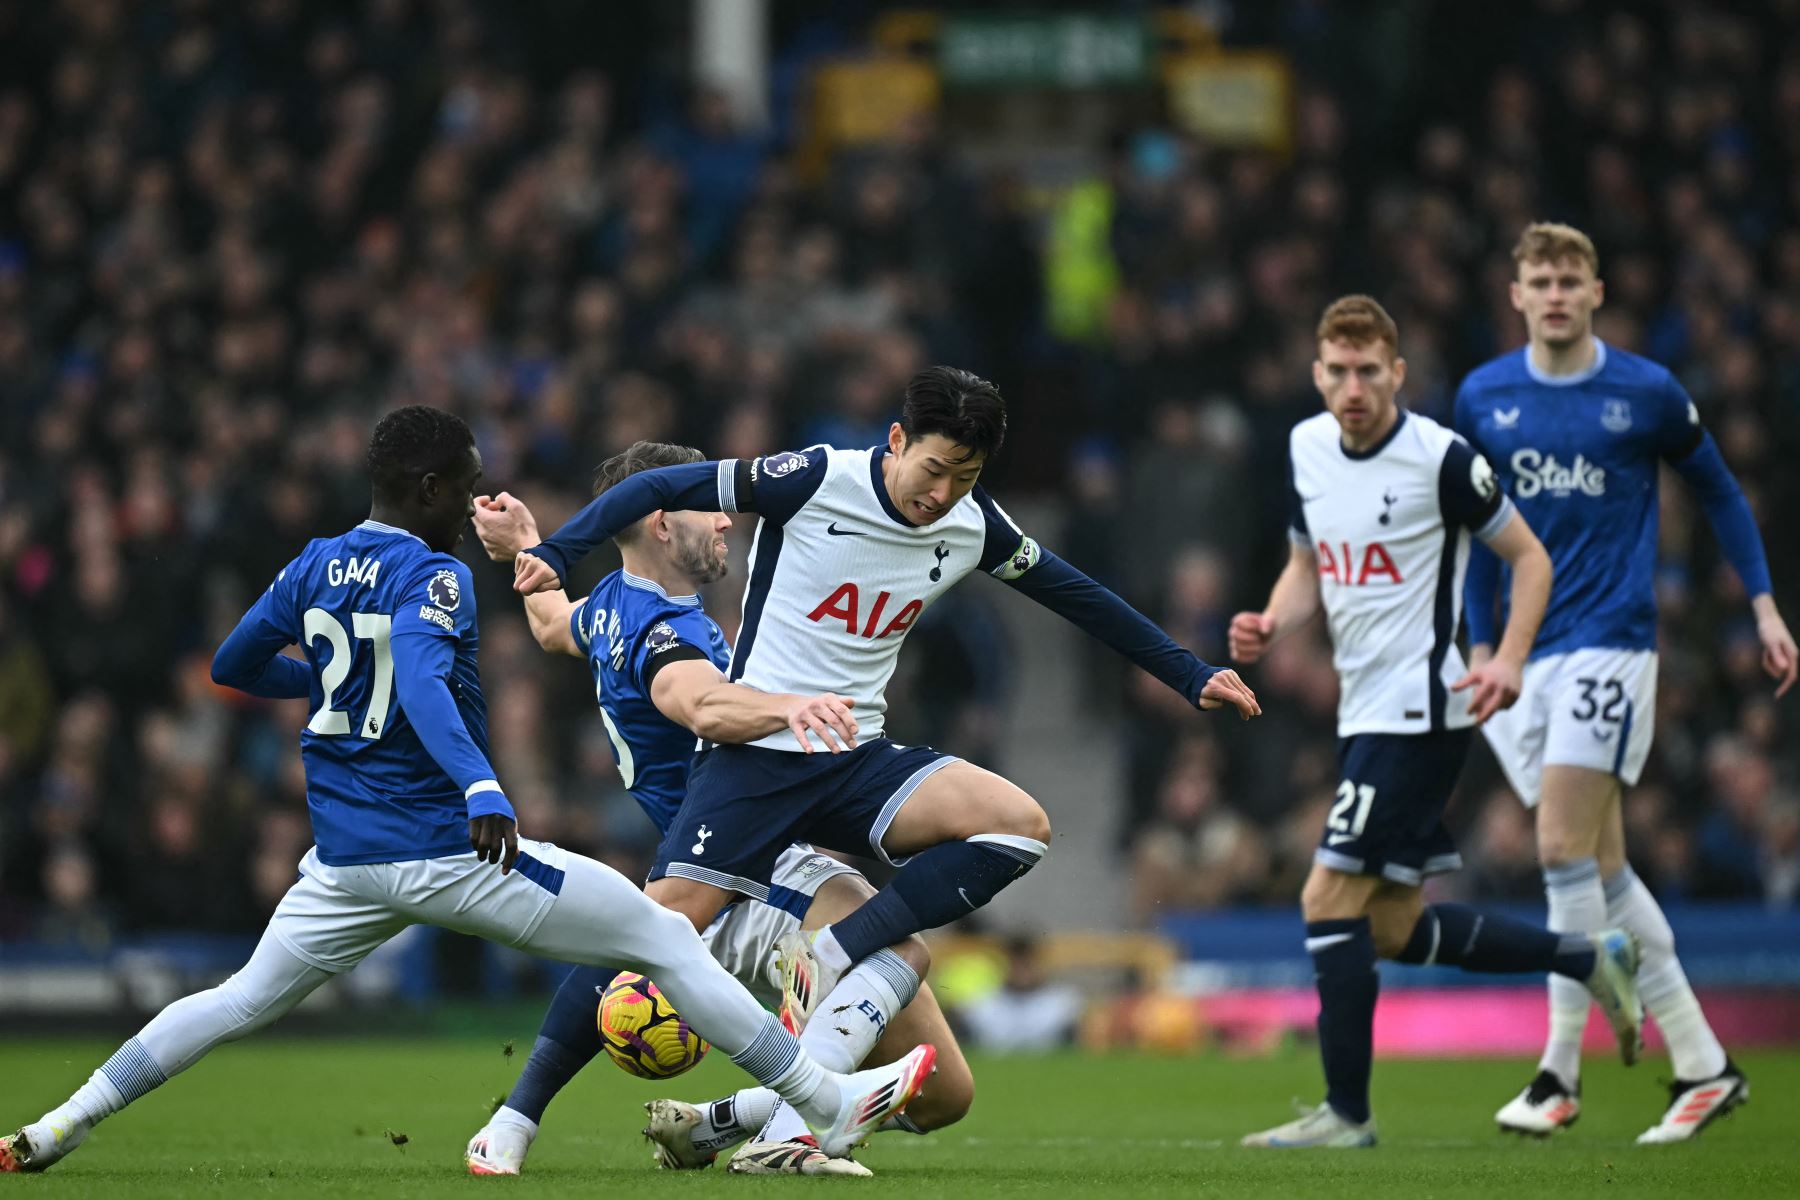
(412, 442)
(960, 405)
(640, 456)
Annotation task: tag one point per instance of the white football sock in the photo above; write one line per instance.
(1694, 1051)
(1577, 905)
(840, 1035)
(856, 1013)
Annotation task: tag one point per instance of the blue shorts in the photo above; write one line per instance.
(1388, 819)
(747, 804)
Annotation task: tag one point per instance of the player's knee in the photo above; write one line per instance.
(1027, 819)
(1389, 938)
(1560, 848)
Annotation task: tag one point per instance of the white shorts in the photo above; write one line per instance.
(1584, 708)
(334, 917)
(743, 937)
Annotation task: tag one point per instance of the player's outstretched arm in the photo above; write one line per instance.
(1063, 589)
(694, 693)
(687, 486)
(507, 528)
(251, 658)
(422, 662)
(1293, 601)
(1498, 678)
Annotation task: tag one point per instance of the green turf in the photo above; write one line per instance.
(304, 1117)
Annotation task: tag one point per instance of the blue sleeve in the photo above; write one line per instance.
(1066, 591)
(774, 486)
(1481, 590)
(251, 658)
(1678, 428)
(1729, 514)
(437, 607)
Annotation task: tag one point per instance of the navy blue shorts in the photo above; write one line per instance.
(747, 804)
(1388, 819)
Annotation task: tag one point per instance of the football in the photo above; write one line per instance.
(643, 1033)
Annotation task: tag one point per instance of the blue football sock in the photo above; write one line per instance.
(1459, 936)
(935, 887)
(1343, 954)
(567, 1041)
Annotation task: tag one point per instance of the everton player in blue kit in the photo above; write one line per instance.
(1577, 431)
(410, 824)
(1384, 506)
(852, 547)
(657, 661)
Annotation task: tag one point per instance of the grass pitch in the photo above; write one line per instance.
(302, 1117)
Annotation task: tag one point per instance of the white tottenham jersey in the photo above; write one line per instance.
(838, 576)
(1390, 528)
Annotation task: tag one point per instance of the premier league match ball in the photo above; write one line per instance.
(643, 1033)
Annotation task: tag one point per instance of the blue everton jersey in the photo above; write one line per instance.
(376, 795)
(630, 628)
(1579, 456)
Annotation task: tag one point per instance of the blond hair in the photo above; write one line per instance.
(1553, 242)
(1358, 320)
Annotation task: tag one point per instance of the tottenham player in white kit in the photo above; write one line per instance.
(881, 1009)
(852, 546)
(1579, 432)
(1383, 503)
(411, 825)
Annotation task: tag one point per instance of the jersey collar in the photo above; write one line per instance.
(876, 454)
(1378, 447)
(374, 526)
(650, 585)
(1538, 376)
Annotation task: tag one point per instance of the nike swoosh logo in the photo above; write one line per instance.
(834, 531)
(972, 905)
(1338, 839)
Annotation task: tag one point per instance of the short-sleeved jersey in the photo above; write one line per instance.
(374, 792)
(838, 575)
(631, 628)
(1390, 528)
(1579, 456)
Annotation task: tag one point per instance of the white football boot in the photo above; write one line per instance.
(805, 981)
(499, 1147)
(1545, 1106)
(38, 1147)
(868, 1098)
(1694, 1106)
(1318, 1128)
(1614, 988)
(671, 1131)
(796, 1156)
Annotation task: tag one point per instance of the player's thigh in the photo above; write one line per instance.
(1387, 820)
(334, 917)
(1516, 735)
(1578, 805)
(961, 801)
(951, 1092)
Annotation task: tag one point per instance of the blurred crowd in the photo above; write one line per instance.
(232, 234)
